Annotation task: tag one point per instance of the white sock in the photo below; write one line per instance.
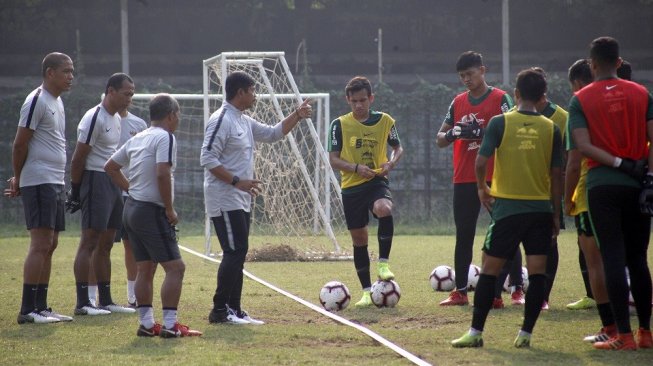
(522, 333)
(146, 316)
(169, 317)
(92, 294)
(131, 295)
(474, 332)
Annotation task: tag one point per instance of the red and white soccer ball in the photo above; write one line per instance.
(443, 278)
(385, 293)
(524, 276)
(472, 277)
(334, 296)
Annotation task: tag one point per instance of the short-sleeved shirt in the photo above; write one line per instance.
(130, 126)
(464, 108)
(580, 193)
(229, 141)
(142, 153)
(101, 131)
(46, 155)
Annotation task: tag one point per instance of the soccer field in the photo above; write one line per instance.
(295, 334)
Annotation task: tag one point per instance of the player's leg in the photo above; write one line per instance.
(587, 301)
(130, 266)
(553, 257)
(516, 280)
(382, 210)
(356, 207)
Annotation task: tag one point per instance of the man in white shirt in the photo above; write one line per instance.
(150, 218)
(228, 159)
(39, 163)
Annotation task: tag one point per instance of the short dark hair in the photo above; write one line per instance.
(162, 105)
(625, 71)
(604, 51)
(53, 60)
(531, 85)
(469, 59)
(116, 80)
(358, 83)
(581, 71)
(235, 81)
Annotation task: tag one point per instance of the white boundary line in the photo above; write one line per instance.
(411, 357)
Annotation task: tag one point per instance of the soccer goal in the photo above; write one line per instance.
(301, 194)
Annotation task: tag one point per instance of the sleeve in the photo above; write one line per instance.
(493, 135)
(266, 133)
(31, 113)
(121, 157)
(506, 103)
(649, 111)
(335, 136)
(215, 140)
(570, 144)
(448, 118)
(576, 115)
(165, 148)
(393, 137)
(87, 130)
(556, 152)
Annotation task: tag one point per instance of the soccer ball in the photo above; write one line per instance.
(524, 276)
(385, 293)
(472, 277)
(443, 278)
(334, 296)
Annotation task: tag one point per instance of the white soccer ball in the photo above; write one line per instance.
(524, 276)
(385, 293)
(472, 277)
(443, 278)
(334, 296)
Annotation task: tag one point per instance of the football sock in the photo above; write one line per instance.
(501, 279)
(41, 296)
(169, 317)
(131, 295)
(534, 300)
(146, 315)
(523, 334)
(474, 332)
(605, 313)
(92, 294)
(28, 303)
(384, 234)
(585, 274)
(82, 293)
(104, 289)
(551, 267)
(483, 300)
(362, 265)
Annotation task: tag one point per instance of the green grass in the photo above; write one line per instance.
(294, 334)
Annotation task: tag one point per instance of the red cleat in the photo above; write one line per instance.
(179, 330)
(497, 303)
(622, 342)
(644, 339)
(455, 298)
(517, 297)
(151, 332)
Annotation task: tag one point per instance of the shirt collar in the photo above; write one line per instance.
(230, 107)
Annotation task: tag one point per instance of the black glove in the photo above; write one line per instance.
(72, 198)
(452, 134)
(646, 197)
(634, 168)
(472, 130)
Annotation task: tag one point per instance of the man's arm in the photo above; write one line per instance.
(18, 157)
(164, 183)
(556, 197)
(304, 111)
(345, 166)
(395, 156)
(78, 162)
(251, 186)
(113, 170)
(572, 175)
(484, 196)
(445, 136)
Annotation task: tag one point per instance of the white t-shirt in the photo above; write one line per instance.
(229, 140)
(101, 131)
(46, 155)
(131, 125)
(142, 153)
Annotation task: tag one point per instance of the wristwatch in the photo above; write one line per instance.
(235, 180)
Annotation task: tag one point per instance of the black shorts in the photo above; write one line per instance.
(44, 206)
(152, 237)
(534, 229)
(358, 205)
(583, 224)
(121, 234)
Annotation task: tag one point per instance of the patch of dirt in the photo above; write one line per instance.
(275, 253)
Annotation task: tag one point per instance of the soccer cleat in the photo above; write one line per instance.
(226, 316)
(242, 314)
(384, 272)
(132, 305)
(545, 305)
(455, 298)
(644, 339)
(622, 342)
(178, 330)
(584, 303)
(365, 301)
(114, 308)
(517, 297)
(497, 303)
(522, 341)
(52, 314)
(149, 332)
(36, 318)
(468, 340)
(603, 334)
(91, 310)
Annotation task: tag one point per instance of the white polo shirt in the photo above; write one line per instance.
(46, 155)
(130, 125)
(229, 140)
(101, 131)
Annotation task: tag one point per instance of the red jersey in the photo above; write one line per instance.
(615, 111)
(465, 151)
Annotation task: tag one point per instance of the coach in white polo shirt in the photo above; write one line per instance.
(39, 163)
(98, 135)
(149, 216)
(228, 159)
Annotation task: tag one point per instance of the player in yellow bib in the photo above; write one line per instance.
(358, 148)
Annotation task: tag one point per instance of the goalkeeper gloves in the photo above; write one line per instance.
(634, 168)
(453, 133)
(472, 130)
(646, 197)
(73, 202)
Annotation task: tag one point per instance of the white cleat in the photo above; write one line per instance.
(244, 316)
(91, 310)
(36, 318)
(52, 314)
(114, 308)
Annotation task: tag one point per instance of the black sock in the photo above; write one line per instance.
(534, 299)
(585, 274)
(483, 300)
(82, 294)
(42, 296)
(28, 303)
(605, 313)
(104, 292)
(362, 265)
(384, 233)
(551, 267)
(501, 279)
